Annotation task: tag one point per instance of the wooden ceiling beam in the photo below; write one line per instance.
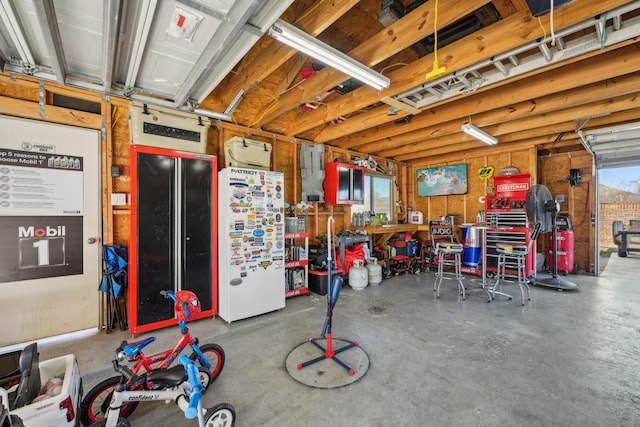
(627, 60)
(505, 7)
(528, 115)
(572, 142)
(398, 36)
(562, 100)
(528, 137)
(510, 33)
(272, 54)
(376, 120)
(506, 130)
(265, 93)
(50, 113)
(519, 4)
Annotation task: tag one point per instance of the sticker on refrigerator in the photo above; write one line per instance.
(265, 264)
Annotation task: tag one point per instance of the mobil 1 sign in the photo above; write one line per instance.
(38, 247)
(41, 220)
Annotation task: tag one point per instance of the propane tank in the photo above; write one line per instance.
(358, 275)
(375, 271)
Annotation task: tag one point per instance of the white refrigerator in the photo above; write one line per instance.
(251, 246)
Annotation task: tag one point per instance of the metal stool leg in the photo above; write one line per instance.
(436, 284)
(523, 281)
(501, 276)
(459, 277)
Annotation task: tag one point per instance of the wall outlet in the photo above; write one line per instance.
(118, 199)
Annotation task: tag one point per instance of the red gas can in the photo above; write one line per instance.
(565, 239)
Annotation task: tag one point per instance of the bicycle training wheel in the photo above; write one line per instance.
(222, 415)
(95, 404)
(214, 355)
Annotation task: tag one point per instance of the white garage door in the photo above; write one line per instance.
(615, 146)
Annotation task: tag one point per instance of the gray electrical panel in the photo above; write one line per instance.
(312, 172)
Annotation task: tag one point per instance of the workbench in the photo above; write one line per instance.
(379, 234)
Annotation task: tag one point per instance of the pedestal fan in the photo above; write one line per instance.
(541, 207)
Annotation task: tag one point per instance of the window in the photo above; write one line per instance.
(378, 196)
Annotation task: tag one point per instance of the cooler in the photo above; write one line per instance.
(471, 246)
(566, 240)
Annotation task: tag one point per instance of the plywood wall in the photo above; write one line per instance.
(21, 98)
(120, 159)
(286, 159)
(465, 207)
(579, 200)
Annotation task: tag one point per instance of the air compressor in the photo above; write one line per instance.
(566, 245)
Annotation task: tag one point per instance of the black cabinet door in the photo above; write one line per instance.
(155, 236)
(196, 223)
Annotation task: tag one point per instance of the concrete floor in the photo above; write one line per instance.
(563, 359)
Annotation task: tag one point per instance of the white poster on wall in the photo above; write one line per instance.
(41, 204)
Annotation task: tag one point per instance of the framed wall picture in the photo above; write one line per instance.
(442, 181)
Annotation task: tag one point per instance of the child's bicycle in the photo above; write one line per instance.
(185, 390)
(210, 356)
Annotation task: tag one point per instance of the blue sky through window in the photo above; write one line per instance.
(627, 178)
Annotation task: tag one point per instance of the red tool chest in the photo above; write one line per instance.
(507, 218)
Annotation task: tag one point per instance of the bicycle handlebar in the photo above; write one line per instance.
(169, 294)
(184, 306)
(196, 386)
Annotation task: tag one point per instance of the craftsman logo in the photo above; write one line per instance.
(505, 188)
(41, 232)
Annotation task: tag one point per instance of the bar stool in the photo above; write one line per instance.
(513, 256)
(448, 255)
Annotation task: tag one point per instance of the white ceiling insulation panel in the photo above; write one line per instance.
(168, 60)
(159, 51)
(80, 24)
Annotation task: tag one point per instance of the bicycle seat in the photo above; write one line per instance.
(134, 348)
(169, 377)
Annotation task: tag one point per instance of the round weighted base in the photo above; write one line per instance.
(327, 373)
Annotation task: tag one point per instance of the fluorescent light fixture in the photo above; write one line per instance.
(478, 133)
(141, 34)
(8, 17)
(299, 40)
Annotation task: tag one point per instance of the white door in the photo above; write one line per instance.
(50, 260)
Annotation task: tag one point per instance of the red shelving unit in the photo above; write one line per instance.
(296, 263)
